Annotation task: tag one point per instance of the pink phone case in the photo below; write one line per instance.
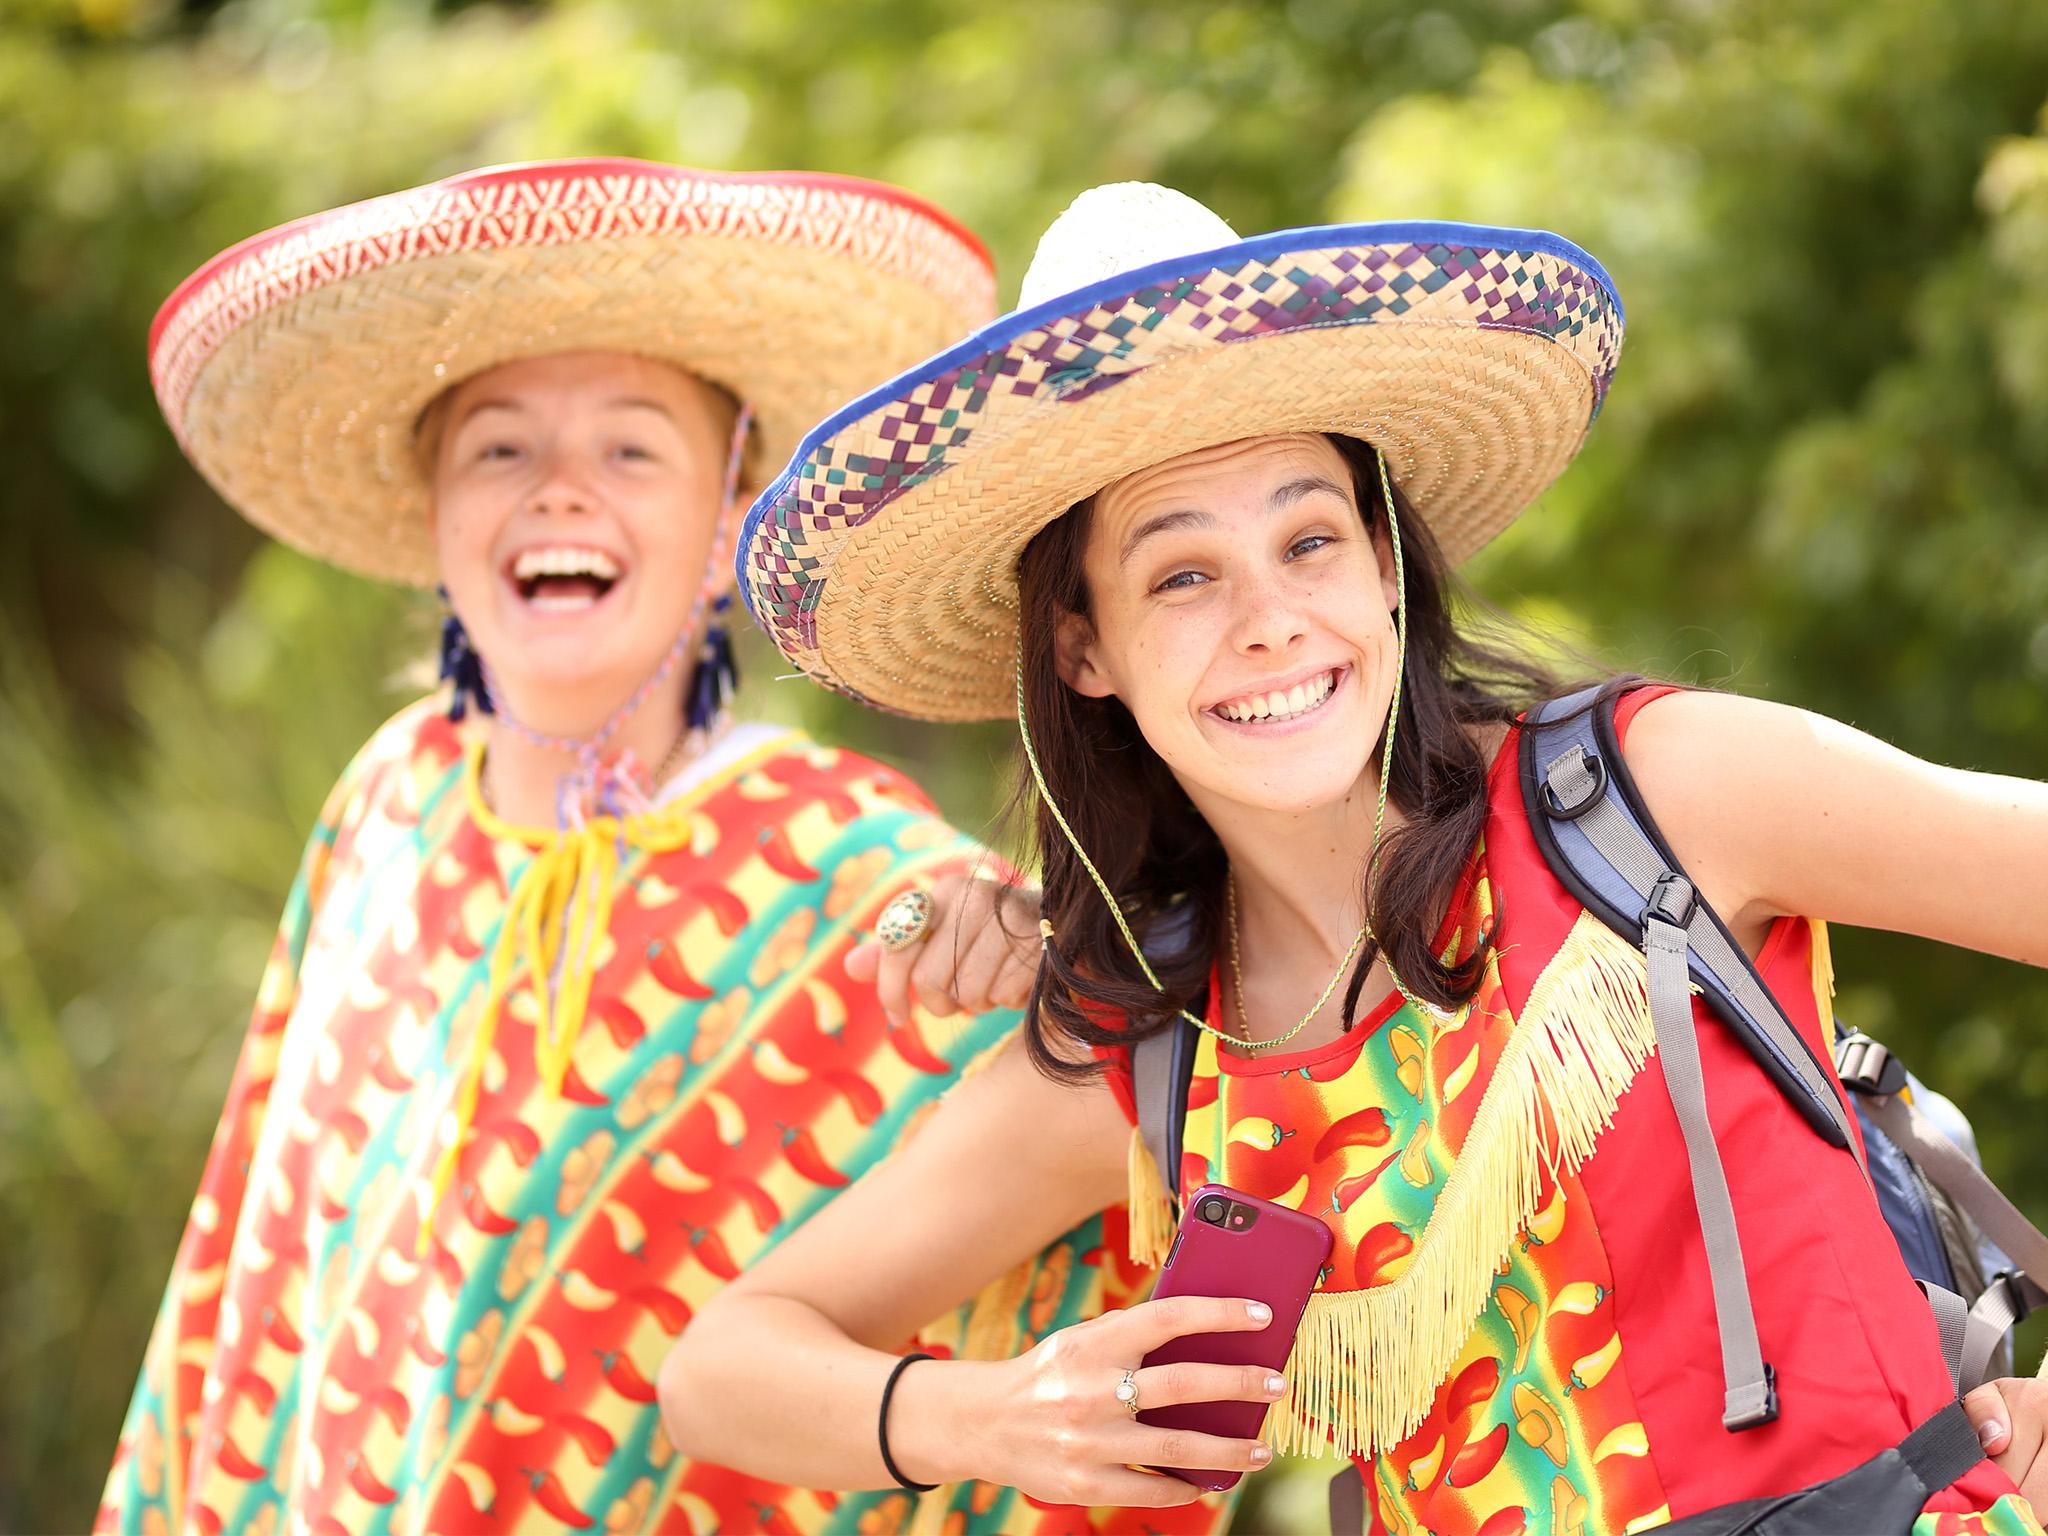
(1262, 1252)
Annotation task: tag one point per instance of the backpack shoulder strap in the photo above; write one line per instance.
(1162, 1066)
(1600, 841)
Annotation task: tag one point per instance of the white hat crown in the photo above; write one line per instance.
(1118, 227)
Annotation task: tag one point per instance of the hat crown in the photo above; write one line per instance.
(1118, 227)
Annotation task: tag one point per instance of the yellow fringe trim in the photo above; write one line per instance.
(1368, 1364)
(1153, 1222)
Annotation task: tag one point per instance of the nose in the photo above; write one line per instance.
(1268, 622)
(559, 490)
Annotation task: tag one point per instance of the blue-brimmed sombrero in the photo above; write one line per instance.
(883, 559)
(294, 366)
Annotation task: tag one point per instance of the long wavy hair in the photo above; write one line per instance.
(1161, 858)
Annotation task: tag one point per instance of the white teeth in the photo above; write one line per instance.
(565, 560)
(1298, 700)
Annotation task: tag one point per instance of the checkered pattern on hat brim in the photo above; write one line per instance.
(294, 367)
(882, 561)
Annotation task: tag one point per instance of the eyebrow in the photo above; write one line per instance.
(624, 402)
(1168, 522)
(640, 403)
(476, 408)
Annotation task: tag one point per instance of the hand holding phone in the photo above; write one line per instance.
(1231, 1244)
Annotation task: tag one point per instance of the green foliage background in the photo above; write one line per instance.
(1819, 478)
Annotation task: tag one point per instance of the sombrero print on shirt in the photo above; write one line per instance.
(883, 559)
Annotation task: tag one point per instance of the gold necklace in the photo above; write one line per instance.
(1237, 977)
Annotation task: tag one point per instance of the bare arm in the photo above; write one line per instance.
(782, 1373)
(1774, 810)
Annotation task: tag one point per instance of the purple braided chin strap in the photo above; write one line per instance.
(598, 786)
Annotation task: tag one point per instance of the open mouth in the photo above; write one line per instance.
(1280, 705)
(563, 578)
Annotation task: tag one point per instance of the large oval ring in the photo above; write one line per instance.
(906, 920)
(1127, 1392)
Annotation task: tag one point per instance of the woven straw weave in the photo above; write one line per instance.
(883, 562)
(294, 368)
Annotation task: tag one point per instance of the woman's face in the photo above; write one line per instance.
(575, 503)
(1243, 615)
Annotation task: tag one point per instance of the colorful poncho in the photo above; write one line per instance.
(339, 1351)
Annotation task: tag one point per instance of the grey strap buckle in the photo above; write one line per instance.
(1672, 900)
(1746, 1407)
(1867, 1066)
(2019, 1291)
(1590, 770)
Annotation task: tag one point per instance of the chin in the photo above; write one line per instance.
(563, 674)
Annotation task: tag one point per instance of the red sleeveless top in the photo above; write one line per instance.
(1548, 1361)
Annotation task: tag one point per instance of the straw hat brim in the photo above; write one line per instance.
(295, 367)
(883, 560)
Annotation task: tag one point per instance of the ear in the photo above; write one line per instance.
(1075, 658)
(1383, 552)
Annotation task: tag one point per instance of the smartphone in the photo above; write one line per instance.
(1231, 1244)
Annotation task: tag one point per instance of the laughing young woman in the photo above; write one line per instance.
(1191, 518)
(557, 1036)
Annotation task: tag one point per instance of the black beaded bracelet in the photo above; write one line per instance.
(882, 1424)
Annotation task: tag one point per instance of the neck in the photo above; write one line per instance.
(522, 777)
(1301, 876)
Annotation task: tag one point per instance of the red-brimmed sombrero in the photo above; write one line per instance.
(294, 366)
(883, 560)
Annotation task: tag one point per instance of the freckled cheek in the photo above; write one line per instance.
(462, 542)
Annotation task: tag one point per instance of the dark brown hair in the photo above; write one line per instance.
(1161, 858)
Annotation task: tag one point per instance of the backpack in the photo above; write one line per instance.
(1970, 1250)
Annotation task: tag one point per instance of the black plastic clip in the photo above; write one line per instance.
(1672, 900)
(1596, 792)
(1867, 1065)
(1765, 1412)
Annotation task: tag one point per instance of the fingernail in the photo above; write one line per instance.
(1261, 1454)
(1275, 1385)
(1989, 1431)
(1259, 1312)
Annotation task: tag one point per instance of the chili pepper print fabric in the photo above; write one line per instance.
(1535, 1428)
(316, 1367)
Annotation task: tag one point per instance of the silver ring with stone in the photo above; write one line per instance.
(1127, 1392)
(906, 920)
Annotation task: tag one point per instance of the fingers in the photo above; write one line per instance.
(1118, 1487)
(936, 963)
(892, 981)
(1198, 1452)
(1988, 1416)
(989, 974)
(1164, 1386)
(1016, 951)
(1147, 1326)
(864, 960)
(981, 953)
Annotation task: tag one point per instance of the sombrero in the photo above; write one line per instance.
(883, 560)
(293, 367)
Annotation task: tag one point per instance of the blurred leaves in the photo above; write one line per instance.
(1819, 476)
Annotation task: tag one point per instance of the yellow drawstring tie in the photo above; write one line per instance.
(559, 912)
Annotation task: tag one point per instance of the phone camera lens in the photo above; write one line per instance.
(1212, 1210)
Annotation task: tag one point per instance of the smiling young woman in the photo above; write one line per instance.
(558, 1034)
(1191, 521)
